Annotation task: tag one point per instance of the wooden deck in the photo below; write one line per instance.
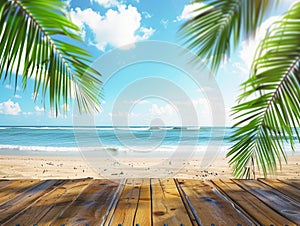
(146, 202)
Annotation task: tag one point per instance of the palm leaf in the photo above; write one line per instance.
(218, 26)
(270, 110)
(38, 41)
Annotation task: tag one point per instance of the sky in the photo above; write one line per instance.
(131, 95)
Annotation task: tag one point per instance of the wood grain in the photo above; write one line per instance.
(293, 182)
(4, 183)
(273, 198)
(91, 206)
(286, 189)
(44, 210)
(15, 188)
(21, 202)
(149, 202)
(208, 207)
(126, 208)
(167, 205)
(143, 212)
(251, 205)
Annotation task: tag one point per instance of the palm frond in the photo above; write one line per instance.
(218, 26)
(38, 41)
(270, 116)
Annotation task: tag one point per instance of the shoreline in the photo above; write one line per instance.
(49, 167)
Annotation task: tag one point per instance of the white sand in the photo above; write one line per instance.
(21, 167)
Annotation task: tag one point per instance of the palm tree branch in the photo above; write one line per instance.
(50, 40)
(275, 78)
(44, 46)
(218, 26)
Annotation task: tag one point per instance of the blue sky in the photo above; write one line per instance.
(109, 24)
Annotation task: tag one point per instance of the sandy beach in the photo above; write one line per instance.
(33, 167)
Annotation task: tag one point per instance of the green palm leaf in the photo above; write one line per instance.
(271, 109)
(38, 41)
(220, 25)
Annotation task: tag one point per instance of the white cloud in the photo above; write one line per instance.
(249, 47)
(17, 96)
(117, 27)
(68, 2)
(27, 113)
(107, 3)
(200, 102)
(39, 109)
(52, 114)
(189, 11)
(146, 15)
(164, 23)
(136, 102)
(163, 110)
(140, 102)
(10, 108)
(146, 33)
(8, 86)
(122, 114)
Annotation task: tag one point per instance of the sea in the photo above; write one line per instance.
(135, 141)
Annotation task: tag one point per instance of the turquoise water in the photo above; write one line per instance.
(66, 140)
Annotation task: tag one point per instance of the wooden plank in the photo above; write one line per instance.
(286, 189)
(167, 205)
(91, 206)
(15, 188)
(143, 213)
(20, 202)
(4, 183)
(115, 203)
(44, 210)
(293, 182)
(250, 205)
(186, 203)
(207, 206)
(273, 198)
(124, 213)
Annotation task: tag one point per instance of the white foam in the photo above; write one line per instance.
(37, 148)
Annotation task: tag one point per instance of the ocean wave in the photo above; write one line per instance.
(37, 148)
(163, 148)
(38, 128)
(54, 149)
(131, 128)
(154, 128)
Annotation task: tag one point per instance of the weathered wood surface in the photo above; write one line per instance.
(10, 190)
(167, 204)
(293, 182)
(149, 202)
(286, 189)
(250, 205)
(208, 206)
(276, 200)
(49, 206)
(143, 213)
(124, 212)
(91, 206)
(22, 201)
